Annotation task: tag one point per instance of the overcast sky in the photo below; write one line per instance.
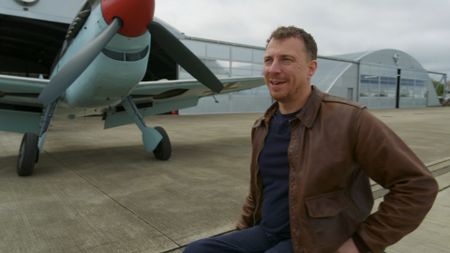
(421, 28)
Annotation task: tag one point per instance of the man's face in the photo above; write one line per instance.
(287, 69)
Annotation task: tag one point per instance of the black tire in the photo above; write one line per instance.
(28, 154)
(164, 149)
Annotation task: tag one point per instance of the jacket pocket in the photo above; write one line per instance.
(326, 205)
(331, 219)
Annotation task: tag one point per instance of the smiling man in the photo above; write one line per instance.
(312, 157)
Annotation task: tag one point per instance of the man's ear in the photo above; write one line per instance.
(312, 67)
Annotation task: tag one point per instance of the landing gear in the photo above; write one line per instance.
(164, 150)
(28, 154)
(155, 139)
(32, 143)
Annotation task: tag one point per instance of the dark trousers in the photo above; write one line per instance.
(251, 240)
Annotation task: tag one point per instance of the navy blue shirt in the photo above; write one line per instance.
(274, 169)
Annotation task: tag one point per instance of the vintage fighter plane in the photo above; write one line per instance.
(111, 57)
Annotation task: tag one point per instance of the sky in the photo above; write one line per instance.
(420, 28)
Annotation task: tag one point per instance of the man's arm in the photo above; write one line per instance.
(392, 164)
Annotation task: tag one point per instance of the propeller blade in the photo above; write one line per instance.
(75, 66)
(183, 56)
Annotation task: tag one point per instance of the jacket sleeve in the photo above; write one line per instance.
(392, 164)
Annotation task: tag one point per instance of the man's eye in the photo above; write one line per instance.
(268, 61)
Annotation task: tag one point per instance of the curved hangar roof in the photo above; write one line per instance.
(332, 69)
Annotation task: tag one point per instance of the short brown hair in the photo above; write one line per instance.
(284, 32)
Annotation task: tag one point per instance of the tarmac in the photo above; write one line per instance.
(97, 190)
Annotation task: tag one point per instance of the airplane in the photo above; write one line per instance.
(111, 59)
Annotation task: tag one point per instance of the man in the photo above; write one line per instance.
(312, 158)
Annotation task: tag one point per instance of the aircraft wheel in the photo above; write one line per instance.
(164, 150)
(28, 154)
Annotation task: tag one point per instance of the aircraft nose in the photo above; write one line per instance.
(135, 15)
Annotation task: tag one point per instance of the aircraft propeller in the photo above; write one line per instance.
(183, 56)
(73, 69)
(126, 21)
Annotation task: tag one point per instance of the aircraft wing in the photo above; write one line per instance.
(21, 85)
(20, 110)
(163, 96)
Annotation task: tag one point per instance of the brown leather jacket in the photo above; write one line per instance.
(335, 147)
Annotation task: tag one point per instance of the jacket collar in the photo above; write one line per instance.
(307, 115)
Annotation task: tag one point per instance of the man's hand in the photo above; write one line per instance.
(348, 247)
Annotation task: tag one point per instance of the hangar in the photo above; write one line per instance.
(387, 78)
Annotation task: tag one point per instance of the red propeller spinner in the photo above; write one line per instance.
(135, 15)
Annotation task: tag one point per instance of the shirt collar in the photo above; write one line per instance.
(306, 115)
